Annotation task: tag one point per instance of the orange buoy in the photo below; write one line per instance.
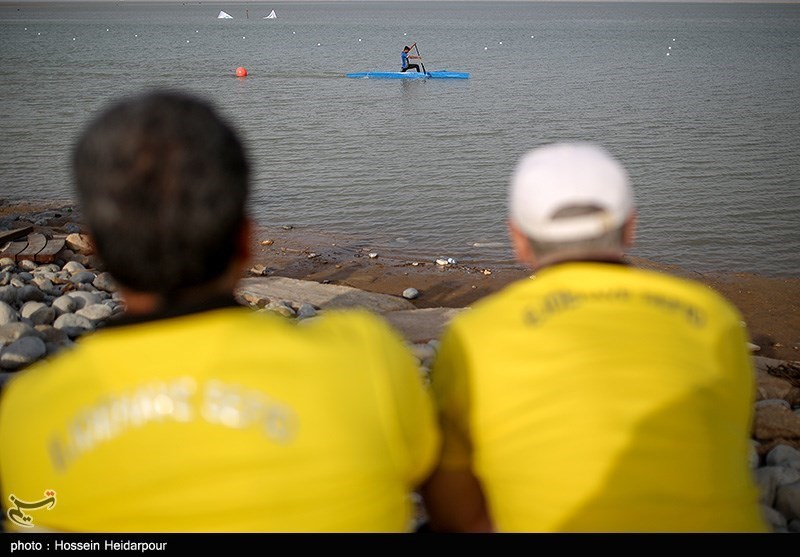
(241, 72)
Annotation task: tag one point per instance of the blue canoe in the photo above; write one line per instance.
(441, 74)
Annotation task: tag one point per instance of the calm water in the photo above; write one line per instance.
(700, 101)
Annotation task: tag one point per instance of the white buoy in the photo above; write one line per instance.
(667, 53)
(359, 40)
(319, 44)
(673, 39)
(73, 38)
(486, 48)
(501, 42)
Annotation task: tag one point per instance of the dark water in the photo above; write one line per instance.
(700, 101)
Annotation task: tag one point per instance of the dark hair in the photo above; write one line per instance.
(163, 183)
(406, 48)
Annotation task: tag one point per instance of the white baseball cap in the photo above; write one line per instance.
(561, 175)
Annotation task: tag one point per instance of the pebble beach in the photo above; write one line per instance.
(47, 307)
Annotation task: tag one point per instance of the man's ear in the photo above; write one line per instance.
(521, 244)
(629, 231)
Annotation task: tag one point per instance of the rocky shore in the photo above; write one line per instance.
(47, 307)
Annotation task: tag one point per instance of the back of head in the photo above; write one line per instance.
(163, 183)
(571, 197)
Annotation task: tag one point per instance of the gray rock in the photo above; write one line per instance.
(775, 520)
(784, 455)
(72, 324)
(16, 282)
(281, 308)
(14, 331)
(787, 501)
(46, 285)
(104, 281)
(424, 352)
(30, 293)
(26, 265)
(51, 335)
(96, 312)
(7, 314)
(306, 311)
(7, 262)
(83, 298)
(767, 481)
(64, 304)
(410, 293)
(39, 313)
(22, 352)
(49, 268)
(73, 267)
(26, 276)
(5, 278)
(83, 277)
(8, 294)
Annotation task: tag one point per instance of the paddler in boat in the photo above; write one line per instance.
(405, 57)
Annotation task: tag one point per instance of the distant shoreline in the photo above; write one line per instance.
(770, 306)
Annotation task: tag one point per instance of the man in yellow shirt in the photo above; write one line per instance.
(592, 396)
(193, 414)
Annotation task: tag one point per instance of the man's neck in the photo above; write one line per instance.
(579, 257)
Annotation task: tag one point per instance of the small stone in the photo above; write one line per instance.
(27, 265)
(105, 282)
(95, 312)
(38, 313)
(410, 293)
(79, 243)
(373, 255)
(64, 304)
(74, 325)
(305, 311)
(22, 352)
(258, 270)
(7, 314)
(30, 292)
(73, 267)
(267, 242)
(83, 277)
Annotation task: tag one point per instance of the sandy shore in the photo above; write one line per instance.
(770, 306)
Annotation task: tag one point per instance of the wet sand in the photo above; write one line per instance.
(769, 305)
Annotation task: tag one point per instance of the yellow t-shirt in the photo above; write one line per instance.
(225, 420)
(602, 398)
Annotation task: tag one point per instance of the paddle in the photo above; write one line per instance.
(420, 57)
